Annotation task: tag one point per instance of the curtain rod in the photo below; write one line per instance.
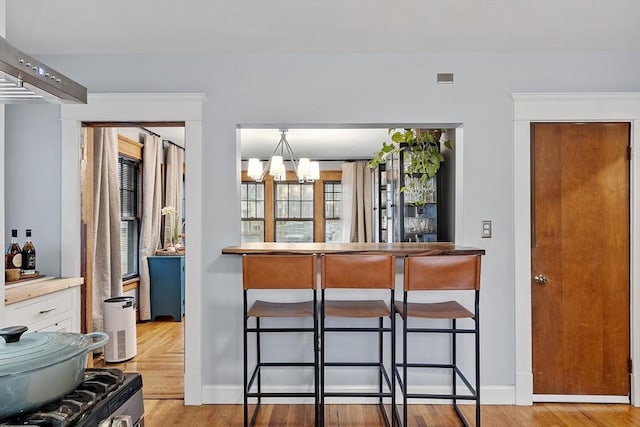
(160, 136)
(150, 132)
(173, 143)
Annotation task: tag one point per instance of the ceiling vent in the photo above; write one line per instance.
(23, 79)
(444, 78)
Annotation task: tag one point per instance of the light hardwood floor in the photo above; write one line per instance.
(160, 360)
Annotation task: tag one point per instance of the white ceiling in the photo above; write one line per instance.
(178, 26)
(319, 144)
(183, 26)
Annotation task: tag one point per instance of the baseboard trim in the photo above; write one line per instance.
(570, 398)
(232, 395)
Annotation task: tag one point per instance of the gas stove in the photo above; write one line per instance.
(106, 397)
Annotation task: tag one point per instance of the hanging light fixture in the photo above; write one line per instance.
(305, 169)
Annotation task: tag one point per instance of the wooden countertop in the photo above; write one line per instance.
(398, 249)
(36, 287)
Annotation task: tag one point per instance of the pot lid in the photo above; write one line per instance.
(41, 349)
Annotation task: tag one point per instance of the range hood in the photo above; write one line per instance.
(24, 79)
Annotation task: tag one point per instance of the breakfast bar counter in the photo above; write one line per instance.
(397, 249)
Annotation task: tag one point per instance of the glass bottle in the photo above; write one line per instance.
(14, 253)
(28, 255)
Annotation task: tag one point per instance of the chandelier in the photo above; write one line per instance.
(305, 169)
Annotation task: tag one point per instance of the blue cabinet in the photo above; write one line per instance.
(167, 286)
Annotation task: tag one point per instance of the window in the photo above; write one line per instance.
(294, 212)
(128, 177)
(252, 211)
(332, 204)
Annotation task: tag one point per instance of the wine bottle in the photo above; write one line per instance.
(14, 253)
(28, 255)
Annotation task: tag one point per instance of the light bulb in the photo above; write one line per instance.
(314, 168)
(304, 168)
(276, 165)
(254, 170)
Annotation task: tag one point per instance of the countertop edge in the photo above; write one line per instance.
(39, 287)
(397, 249)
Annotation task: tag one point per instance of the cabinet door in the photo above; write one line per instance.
(57, 311)
(166, 274)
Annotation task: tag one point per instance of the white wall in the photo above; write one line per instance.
(31, 172)
(3, 27)
(336, 89)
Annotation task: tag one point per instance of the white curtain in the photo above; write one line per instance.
(173, 189)
(357, 209)
(107, 272)
(150, 222)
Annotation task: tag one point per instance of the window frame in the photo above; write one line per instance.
(256, 201)
(131, 150)
(300, 202)
(132, 253)
(269, 200)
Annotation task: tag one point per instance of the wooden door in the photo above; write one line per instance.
(580, 244)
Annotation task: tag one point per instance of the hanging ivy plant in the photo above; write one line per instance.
(424, 160)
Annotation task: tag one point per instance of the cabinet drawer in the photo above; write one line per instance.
(39, 309)
(61, 324)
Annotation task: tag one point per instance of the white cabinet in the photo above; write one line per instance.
(54, 311)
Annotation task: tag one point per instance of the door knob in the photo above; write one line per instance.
(540, 279)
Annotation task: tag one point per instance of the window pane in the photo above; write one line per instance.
(328, 209)
(294, 210)
(252, 210)
(244, 209)
(307, 191)
(129, 248)
(253, 231)
(129, 188)
(282, 191)
(294, 192)
(293, 202)
(307, 210)
(294, 231)
(332, 229)
(332, 203)
(252, 200)
(281, 209)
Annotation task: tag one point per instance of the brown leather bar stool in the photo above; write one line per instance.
(441, 273)
(278, 272)
(362, 273)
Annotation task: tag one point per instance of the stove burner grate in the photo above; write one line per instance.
(98, 383)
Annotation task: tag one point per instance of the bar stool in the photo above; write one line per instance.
(278, 272)
(364, 273)
(440, 273)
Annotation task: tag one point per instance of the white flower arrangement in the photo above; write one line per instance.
(172, 217)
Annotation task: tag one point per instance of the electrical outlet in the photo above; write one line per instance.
(486, 229)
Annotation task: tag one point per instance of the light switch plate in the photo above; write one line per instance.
(486, 229)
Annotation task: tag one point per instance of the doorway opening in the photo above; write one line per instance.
(141, 167)
(559, 107)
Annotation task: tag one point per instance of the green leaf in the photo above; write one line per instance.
(397, 137)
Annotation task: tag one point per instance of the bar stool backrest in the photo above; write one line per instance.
(445, 272)
(360, 271)
(279, 271)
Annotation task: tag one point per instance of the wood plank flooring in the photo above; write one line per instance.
(174, 413)
(160, 360)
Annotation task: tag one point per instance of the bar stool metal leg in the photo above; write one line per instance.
(441, 273)
(360, 272)
(278, 272)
